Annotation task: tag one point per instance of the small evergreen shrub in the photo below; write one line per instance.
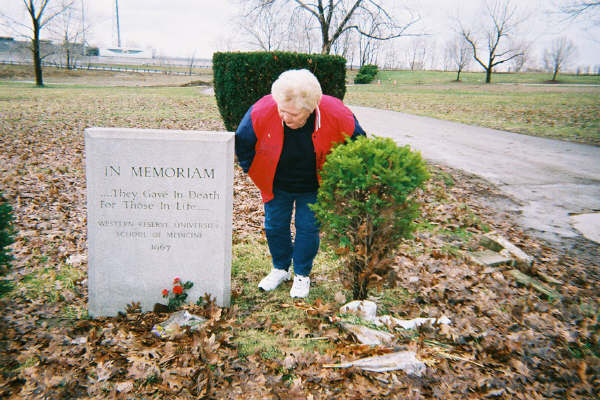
(363, 78)
(365, 205)
(366, 74)
(369, 69)
(240, 79)
(6, 235)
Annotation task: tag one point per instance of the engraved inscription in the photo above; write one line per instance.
(162, 234)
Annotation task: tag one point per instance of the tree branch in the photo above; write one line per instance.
(56, 13)
(10, 24)
(342, 24)
(307, 8)
(505, 60)
(473, 44)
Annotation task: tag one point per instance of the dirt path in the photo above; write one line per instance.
(546, 181)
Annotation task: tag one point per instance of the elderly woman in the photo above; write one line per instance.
(282, 143)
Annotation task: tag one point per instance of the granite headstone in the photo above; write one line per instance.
(159, 206)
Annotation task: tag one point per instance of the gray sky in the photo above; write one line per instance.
(174, 27)
(200, 27)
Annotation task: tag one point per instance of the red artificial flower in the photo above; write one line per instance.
(176, 280)
(177, 289)
(165, 292)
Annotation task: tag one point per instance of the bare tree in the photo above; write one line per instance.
(519, 62)
(266, 30)
(191, 61)
(458, 54)
(41, 15)
(301, 32)
(415, 54)
(334, 18)
(432, 55)
(344, 46)
(559, 55)
(391, 56)
(492, 41)
(448, 62)
(41, 12)
(368, 48)
(70, 29)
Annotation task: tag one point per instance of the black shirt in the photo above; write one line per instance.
(297, 168)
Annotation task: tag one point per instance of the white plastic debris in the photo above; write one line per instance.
(409, 323)
(367, 310)
(364, 309)
(402, 360)
(79, 340)
(75, 259)
(369, 336)
(172, 326)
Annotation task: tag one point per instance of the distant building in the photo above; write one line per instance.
(124, 52)
(6, 43)
(92, 51)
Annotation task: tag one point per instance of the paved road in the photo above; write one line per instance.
(549, 179)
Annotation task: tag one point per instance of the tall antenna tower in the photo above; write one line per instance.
(118, 27)
(83, 28)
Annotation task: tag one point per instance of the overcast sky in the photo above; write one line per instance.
(200, 27)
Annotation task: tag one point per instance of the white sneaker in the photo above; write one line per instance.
(300, 287)
(274, 279)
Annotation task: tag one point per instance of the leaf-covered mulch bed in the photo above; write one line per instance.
(505, 340)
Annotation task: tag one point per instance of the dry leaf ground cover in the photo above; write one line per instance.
(565, 112)
(505, 341)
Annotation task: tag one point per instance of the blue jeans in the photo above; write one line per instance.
(278, 217)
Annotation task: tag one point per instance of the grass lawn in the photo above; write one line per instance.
(504, 337)
(518, 104)
(476, 78)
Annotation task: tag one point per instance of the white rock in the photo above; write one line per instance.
(364, 309)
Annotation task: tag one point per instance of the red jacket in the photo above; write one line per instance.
(259, 138)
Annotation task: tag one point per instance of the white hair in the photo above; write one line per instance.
(298, 87)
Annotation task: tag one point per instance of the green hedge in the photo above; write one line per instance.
(366, 73)
(6, 235)
(240, 79)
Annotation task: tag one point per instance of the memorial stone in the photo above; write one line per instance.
(159, 206)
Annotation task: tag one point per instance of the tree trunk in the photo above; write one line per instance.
(326, 48)
(37, 59)
(555, 74)
(359, 285)
(360, 291)
(458, 75)
(488, 75)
